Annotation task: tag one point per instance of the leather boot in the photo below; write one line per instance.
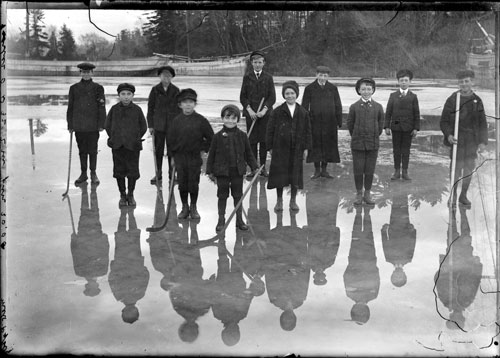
(220, 223)
(184, 214)
(359, 198)
(462, 199)
(324, 173)
(130, 199)
(405, 175)
(193, 212)
(240, 224)
(368, 198)
(279, 205)
(396, 175)
(82, 178)
(123, 200)
(93, 178)
(293, 204)
(316, 174)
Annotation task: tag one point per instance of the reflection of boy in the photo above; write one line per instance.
(258, 85)
(472, 132)
(162, 109)
(402, 120)
(125, 125)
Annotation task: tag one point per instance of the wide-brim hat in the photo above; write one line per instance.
(323, 69)
(166, 68)
(233, 108)
(290, 84)
(257, 53)
(187, 93)
(365, 80)
(125, 87)
(85, 66)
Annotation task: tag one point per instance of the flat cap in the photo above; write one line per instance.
(257, 53)
(187, 93)
(365, 80)
(465, 73)
(166, 68)
(233, 109)
(125, 87)
(85, 66)
(322, 69)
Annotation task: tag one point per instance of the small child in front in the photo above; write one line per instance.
(125, 125)
(190, 134)
(365, 123)
(228, 156)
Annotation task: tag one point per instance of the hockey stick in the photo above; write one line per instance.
(455, 147)
(255, 120)
(170, 194)
(69, 162)
(158, 186)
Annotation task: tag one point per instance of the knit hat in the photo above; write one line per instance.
(404, 73)
(365, 80)
(232, 110)
(125, 87)
(465, 73)
(187, 93)
(85, 66)
(166, 68)
(290, 84)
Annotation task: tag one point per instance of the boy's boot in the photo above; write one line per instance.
(279, 204)
(317, 172)
(405, 175)
(293, 204)
(220, 223)
(324, 173)
(193, 212)
(368, 198)
(397, 174)
(123, 195)
(221, 208)
(130, 195)
(240, 224)
(93, 165)
(83, 165)
(359, 197)
(184, 214)
(462, 199)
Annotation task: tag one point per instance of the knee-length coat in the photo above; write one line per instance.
(325, 112)
(287, 137)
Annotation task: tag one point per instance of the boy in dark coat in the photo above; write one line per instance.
(402, 120)
(258, 85)
(288, 140)
(226, 164)
(365, 123)
(85, 116)
(321, 98)
(472, 132)
(162, 109)
(125, 126)
(190, 134)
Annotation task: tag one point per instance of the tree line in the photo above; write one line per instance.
(377, 43)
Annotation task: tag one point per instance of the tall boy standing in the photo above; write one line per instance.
(472, 132)
(162, 109)
(85, 116)
(402, 120)
(257, 85)
(321, 98)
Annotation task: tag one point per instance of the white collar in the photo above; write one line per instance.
(405, 92)
(366, 101)
(257, 73)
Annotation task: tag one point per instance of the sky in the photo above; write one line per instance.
(111, 21)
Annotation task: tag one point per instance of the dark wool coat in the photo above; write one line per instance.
(218, 156)
(252, 92)
(365, 123)
(477, 118)
(283, 134)
(162, 107)
(402, 112)
(190, 134)
(125, 126)
(86, 107)
(325, 113)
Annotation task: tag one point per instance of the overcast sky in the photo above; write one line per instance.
(112, 21)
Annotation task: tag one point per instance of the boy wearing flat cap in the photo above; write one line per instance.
(126, 125)
(257, 88)
(85, 116)
(472, 133)
(402, 120)
(321, 98)
(162, 109)
(365, 123)
(190, 134)
(228, 157)
(288, 140)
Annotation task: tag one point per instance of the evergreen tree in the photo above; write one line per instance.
(53, 53)
(38, 37)
(67, 44)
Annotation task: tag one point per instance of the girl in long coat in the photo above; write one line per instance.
(288, 140)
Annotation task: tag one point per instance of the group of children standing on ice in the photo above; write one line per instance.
(285, 132)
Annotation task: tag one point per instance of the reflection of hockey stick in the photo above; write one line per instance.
(158, 186)
(169, 202)
(69, 162)
(70, 214)
(255, 120)
(32, 143)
